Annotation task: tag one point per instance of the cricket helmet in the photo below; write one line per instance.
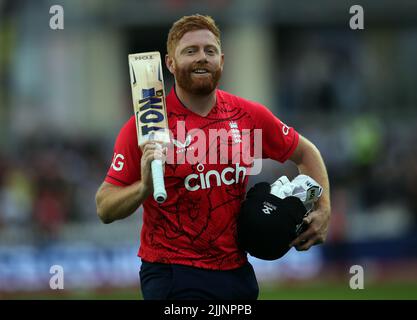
(266, 224)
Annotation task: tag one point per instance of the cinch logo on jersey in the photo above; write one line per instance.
(228, 176)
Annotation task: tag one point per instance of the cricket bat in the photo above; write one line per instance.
(149, 106)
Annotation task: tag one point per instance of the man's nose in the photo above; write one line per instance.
(202, 56)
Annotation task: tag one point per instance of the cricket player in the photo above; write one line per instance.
(188, 244)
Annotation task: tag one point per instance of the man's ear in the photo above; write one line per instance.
(170, 63)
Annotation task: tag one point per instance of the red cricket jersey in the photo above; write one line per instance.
(205, 179)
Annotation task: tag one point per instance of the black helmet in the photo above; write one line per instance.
(267, 224)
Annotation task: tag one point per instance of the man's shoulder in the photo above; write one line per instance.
(232, 98)
(237, 101)
(129, 127)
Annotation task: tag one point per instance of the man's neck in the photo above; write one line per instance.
(198, 104)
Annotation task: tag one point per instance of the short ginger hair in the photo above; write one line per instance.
(190, 23)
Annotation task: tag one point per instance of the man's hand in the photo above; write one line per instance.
(150, 150)
(316, 232)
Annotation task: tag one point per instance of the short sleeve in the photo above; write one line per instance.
(125, 167)
(279, 141)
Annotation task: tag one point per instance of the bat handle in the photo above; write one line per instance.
(159, 192)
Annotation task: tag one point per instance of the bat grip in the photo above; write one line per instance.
(159, 192)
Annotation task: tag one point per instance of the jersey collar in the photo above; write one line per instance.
(175, 102)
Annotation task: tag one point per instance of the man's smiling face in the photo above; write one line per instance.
(198, 62)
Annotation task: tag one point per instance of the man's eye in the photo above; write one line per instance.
(190, 51)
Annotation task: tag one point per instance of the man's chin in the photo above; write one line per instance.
(201, 90)
(201, 87)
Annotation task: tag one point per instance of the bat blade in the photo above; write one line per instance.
(149, 106)
(148, 95)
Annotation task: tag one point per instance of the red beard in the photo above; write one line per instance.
(198, 86)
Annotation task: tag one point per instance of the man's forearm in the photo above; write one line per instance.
(312, 164)
(115, 203)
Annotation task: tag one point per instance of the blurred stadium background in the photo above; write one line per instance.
(64, 94)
